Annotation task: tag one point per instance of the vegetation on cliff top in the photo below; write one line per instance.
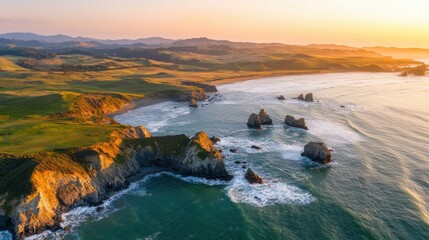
(56, 96)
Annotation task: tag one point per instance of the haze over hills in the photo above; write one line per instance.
(60, 38)
(64, 41)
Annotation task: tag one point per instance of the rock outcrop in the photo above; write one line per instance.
(252, 177)
(416, 71)
(182, 95)
(193, 103)
(318, 152)
(297, 123)
(308, 97)
(215, 139)
(207, 87)
(254, 121)
(265, 118)
(281, 97)
(55, 182)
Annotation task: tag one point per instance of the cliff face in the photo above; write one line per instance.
(64, 179)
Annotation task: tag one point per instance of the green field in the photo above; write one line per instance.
(46, 94)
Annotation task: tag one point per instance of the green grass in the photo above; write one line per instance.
(29, 136)
(15, 106)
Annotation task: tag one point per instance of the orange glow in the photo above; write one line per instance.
(360, 23)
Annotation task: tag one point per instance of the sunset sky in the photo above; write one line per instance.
(402, 23)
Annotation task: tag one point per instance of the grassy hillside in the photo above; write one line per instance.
(57, 95)
(9, 65)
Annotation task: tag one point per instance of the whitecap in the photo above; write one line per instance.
(5, 235)
(269, 193)
(333, 133)
(154, 117)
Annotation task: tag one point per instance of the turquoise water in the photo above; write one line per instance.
(376, 188)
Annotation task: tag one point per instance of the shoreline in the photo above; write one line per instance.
(141, 102)
(148, 101)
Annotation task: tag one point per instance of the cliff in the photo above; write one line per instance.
(35, 190)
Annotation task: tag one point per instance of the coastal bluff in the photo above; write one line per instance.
(48, 184)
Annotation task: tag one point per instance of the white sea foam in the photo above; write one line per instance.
(151, 237)
(269, 193)
(5, 235)
(154, 117)
(333, 133)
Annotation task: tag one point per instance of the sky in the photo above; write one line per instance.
(401, 23)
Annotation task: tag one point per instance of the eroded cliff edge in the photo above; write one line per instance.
(52, 183)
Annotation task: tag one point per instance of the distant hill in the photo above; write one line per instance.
(414, 53)
(332, 46)
(59, 38)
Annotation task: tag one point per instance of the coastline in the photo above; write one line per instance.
(141, 102)
(148, 101)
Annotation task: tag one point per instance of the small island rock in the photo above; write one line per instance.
(281, 97)
(265, 118)
(252, 177)
(254, 121)
(301, 97)
(298, 123)
(318, 152)
(309, 97)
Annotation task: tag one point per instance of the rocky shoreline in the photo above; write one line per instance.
(85, 176)
(57, 181)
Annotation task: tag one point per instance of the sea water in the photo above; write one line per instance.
(377, 187)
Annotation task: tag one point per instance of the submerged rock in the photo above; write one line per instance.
(254, 121)
(265, 118)
(255, 147)
(233, 150)
(318, 152)
(298, 123)
(215, 139)
(281, 97)
(252, 177)
(237, 162)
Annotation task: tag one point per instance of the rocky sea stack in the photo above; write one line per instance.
(308, 97)
(265, 118)
(254, 121)
(252, 177)
(318, 152)
(57, 181)
(297, 123)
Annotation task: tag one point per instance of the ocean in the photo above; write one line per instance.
(377, 187)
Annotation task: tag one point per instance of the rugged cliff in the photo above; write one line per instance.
(45, 185)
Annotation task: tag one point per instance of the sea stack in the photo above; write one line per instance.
(254, 121)
(252, 177)
(297, 123)
(309, 97)
(265, 118)
(317, 152)
(193, 103)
